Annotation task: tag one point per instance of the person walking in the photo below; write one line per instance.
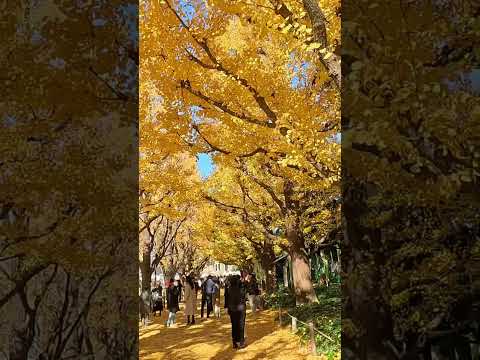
(204, 296)
(181, 280)
(253, 292)
(173, 299)
(243, 275)
(216, 291)
(210, 290)
(243, 280)
(145, 306)
(190, 299)
(157, 299)
(235, 303)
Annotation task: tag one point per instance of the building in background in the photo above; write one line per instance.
(218, 269)
(283, 271)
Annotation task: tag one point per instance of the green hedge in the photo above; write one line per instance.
(326, 316)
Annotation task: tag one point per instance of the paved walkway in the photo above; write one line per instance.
(211, 339)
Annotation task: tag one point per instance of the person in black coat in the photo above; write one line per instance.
(157, 300)
(235, 303)
(173, 299)
(180, 287)
(204, 296)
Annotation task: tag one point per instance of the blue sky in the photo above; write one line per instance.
(205, 165)
(187, 11)
(475, 78)
(299, 80)
(472, 76)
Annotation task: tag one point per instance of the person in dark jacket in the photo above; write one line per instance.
(204, 296)
(180, 287)
(173, 299)
(157, 299)
(210, 291)
(235, 303)
(253, 292)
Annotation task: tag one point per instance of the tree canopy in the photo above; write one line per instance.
(255, 86)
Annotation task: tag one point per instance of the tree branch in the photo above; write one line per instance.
(22, 282)
(213, 147)
(232, 208)
(269, 190)
(120, 95)
(260, 100)
(221, 105)
(226, 152)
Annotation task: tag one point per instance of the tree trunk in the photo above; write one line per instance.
(302, 277)
(302, 274)
(267, 267)
(164, 274)
(375, 319)
(269, 282)
(146, 271)
(317, 18)
(171, 270)
(146, 263)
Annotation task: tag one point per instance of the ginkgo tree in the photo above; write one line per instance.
(245, 220)
(166, 199)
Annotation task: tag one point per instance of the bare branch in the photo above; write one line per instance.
(22, 282)
(231, 208)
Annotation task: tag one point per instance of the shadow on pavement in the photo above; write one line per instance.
(211, 339)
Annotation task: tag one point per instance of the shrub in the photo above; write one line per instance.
(283, 297)
(326, 317)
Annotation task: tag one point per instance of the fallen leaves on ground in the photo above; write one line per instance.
(211, 339)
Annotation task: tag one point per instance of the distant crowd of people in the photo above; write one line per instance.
(237, 290)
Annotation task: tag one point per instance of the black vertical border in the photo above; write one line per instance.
(410, 117)
(69, 180)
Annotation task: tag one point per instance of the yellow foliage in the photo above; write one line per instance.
(243, 82)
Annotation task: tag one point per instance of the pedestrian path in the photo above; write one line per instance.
(211, 339)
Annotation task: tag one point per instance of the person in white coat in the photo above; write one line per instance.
(190, 300)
